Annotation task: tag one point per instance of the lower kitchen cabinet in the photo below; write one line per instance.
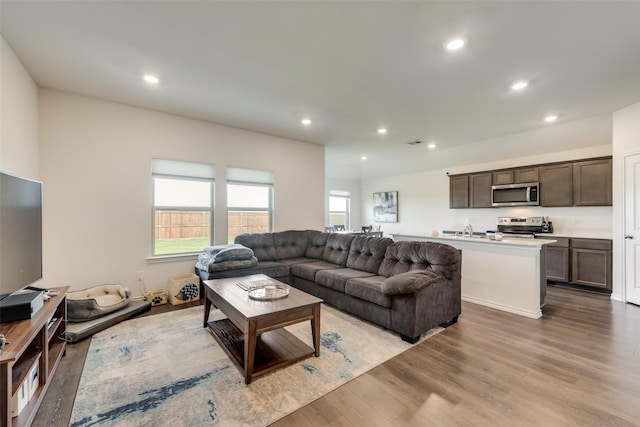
(581, 262)
(558, 260)
(591, 262)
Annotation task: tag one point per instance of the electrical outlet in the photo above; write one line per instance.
(140, 275)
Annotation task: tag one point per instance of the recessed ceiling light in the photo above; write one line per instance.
(363, 157)
(455, 44)
(519, 85)
(151, 79)
(382, 131)
(550, 119)
(305, 122)
(431, 145)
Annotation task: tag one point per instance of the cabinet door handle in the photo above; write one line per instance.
(628, 236)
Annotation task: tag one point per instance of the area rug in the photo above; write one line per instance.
(167, 370)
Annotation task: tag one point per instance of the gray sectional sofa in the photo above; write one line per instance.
(407, 287)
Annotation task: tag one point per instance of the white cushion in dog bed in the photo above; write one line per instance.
(95, 302)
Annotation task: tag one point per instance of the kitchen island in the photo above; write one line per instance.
(507, 275)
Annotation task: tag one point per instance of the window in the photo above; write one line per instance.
(182, 207)
(249, 202)
(339, 208)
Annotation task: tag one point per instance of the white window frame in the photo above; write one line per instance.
(251, 178)
(187, 171)
(345, 195)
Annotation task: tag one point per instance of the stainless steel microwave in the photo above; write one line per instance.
(527, 194)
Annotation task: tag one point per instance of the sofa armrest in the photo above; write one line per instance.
(410, 282)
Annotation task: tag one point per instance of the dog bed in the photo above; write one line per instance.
(79, 331)
(95, 302)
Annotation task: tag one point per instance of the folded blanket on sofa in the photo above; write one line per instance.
(206, 263)
(234, 252)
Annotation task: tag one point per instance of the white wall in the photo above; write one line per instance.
(18, 117)
(626, 140)
(96, 168)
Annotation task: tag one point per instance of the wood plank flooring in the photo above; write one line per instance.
(579, 365)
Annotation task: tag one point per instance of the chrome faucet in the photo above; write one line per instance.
(468, 230)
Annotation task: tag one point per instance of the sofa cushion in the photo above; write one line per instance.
(260, 243)
(337, 278)
(367, 253)
(308, 270)
(273, 269)
(410, 282)
(290, 244)
(337, 248)
(315, 244)
(233, 265)
(300, 260)
(401, 257)
(368, 289)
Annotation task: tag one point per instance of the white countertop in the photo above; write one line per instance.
(514, 241)
(580, 235)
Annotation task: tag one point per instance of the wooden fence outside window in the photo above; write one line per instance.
(173, 224)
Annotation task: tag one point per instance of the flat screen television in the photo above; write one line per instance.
(20, 233)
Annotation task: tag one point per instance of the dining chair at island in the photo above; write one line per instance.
(338, 227)
(367, 229)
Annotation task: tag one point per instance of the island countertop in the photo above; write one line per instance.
(484, 240)
(506, 274)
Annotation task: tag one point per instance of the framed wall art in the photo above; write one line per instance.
(385, 206)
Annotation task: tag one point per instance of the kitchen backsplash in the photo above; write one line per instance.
(572, 222)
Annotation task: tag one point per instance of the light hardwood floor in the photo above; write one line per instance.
(577, 365)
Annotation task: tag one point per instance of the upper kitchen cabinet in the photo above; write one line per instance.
(503, 177)
(575, 183)
(459, 191)
(592, 183)
(522, 175)
(556, 185)
(516, 176)
(480, 190)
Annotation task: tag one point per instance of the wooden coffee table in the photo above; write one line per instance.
(253, 333)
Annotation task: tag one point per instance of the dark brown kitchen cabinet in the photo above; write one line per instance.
(584, 182)
(592, 183)
(591, 262)
(459, 191)
(503, 177)
(515, 176)
(523, 175)
(581, 262)
(557, 260)
(480, 190)
(556, 185)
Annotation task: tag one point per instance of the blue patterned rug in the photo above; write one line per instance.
(167, 370)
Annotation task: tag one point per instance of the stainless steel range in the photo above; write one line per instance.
(524, 226)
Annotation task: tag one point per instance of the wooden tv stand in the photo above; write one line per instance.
(31, 340)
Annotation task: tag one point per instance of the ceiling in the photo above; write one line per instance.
(351, 67)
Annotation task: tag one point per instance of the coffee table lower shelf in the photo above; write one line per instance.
(274, 349)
